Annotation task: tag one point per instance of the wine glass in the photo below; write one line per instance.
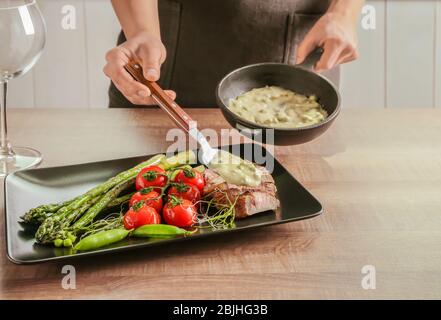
(22, 39)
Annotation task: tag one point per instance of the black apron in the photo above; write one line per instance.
(206, 39)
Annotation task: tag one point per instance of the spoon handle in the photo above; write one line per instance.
(175, 112)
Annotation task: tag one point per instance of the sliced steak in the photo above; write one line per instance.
(250, 200)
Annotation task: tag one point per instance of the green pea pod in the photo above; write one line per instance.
(101, 239)
(159, 230)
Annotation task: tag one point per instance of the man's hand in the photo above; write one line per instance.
(334, 32)
(146, 49)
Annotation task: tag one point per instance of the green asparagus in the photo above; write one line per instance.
(39, 214)
(102, 203)
(61, 223)
(54, 226)
(120, 200)
(66, 232)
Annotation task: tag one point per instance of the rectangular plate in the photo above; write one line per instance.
(31, 188)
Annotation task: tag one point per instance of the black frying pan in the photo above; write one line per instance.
(298, 78)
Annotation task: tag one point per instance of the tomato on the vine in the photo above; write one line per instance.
(151, 198)
(151, 176)
(191, 176)
(139, 215)
(179, 212)
(185, 191)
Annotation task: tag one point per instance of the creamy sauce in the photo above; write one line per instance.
(276, 107)
(235, 170)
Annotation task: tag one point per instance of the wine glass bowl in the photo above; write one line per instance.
(22, 39)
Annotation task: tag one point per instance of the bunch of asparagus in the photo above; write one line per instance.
(61, 223)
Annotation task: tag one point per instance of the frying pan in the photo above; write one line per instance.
(299, 78)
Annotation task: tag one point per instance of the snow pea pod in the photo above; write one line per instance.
(101, 239)
(159, 230)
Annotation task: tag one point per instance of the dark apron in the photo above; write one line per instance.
(206, 39)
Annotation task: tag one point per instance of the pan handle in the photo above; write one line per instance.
(312, 59)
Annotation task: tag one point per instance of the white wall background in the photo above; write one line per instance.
(399, 65)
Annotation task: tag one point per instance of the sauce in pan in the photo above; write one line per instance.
(277, 107)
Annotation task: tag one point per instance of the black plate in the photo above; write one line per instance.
(30, 188)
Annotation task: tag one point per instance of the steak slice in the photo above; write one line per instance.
(250, 200)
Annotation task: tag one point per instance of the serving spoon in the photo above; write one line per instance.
(175, 112)
(232, 168)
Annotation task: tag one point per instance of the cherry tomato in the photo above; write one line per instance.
(185, 191)
(139, 215)
(191, 176)
(179, 212)
(148, 215)
(152, 176)
(151, 198)
(130, 220)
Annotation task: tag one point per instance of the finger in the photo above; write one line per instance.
(163, 55)
(136, 97)
(132, 88)
(124, 81)
(171, 94)
(305, 48)
(151, 63)
(117, 54)
(148, 101)
(114, 69)
(150, 58)
(348, 55)
(331, 54)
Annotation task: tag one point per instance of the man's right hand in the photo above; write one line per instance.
(146, 49)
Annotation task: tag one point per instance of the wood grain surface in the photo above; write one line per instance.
(377, 173)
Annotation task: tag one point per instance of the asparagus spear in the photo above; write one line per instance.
(54, 228)
(38, 215)
(60, 227)
(120, 200)
(106, 186)
(48, 229)
(102, 203)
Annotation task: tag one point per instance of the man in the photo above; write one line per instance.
(189, 45)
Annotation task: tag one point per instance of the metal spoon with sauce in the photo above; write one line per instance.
(233, 169)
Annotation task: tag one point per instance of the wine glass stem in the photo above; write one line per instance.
(5, 146)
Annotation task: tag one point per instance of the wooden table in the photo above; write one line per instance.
(377, 172)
